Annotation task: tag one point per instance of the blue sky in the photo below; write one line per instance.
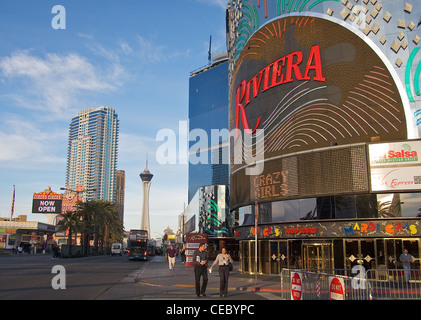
(133, 55)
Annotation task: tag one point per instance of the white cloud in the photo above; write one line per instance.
(55, 82)
(150, 51)
(125, 47)
(23, 144)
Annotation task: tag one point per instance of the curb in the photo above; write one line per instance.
(258, 289)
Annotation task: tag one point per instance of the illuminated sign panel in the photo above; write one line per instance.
(333, 229)
(310, 84)
(395, 166)
(47, 202)
(385, 154)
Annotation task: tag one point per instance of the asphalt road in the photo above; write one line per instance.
(31, 277)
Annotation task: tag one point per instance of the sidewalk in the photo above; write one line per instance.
(156, 273)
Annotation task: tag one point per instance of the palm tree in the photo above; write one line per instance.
(87, 210)
(112, 225)
(100, 220)
(69, 223)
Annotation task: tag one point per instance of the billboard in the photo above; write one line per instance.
(397, 153)
(395, 166)
(304, 84)
(47, 202)
(71, 198)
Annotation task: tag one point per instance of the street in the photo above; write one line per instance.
(30, 277)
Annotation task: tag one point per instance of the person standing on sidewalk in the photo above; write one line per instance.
(200, 258)
(406, 260)
(183, 255)
(223, 259)
(171, 257)
(54, 249)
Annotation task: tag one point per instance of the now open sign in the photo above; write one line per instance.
(46, 206)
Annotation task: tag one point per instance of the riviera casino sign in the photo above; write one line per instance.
(307, 83)
(273, 75)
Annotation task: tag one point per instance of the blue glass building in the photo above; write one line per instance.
(208, 113)
(208, 210)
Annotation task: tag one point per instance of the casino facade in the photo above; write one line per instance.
(325, 111)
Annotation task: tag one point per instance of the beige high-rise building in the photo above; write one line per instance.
(120, 176)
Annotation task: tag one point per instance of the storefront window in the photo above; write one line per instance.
(252, 256)
(366, 206)
(265, 212)
(278, 211)
(399, 205)
(413, 249)
(390, 254)
(308, 209)
(352, 256)
(245, 216)
(283, 255)
(292, 210)
(295, 258)
(245, 252)
(265, 257)
(381, 257)
(345, 207)
(368, 254)
(384, 206)
(274, 254)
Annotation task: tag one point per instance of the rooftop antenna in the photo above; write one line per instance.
(146, 161)
(210, 52)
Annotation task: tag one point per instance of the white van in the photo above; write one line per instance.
(116, 248)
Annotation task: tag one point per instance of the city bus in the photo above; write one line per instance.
(137, 245)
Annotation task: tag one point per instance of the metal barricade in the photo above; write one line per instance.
(388, 284)
(344, 285)
(319, 285)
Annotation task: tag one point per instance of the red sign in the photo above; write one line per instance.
(273, 75)
(296, 286)
(336, 289)
(193, 240)
(300, 230)
(197, 238)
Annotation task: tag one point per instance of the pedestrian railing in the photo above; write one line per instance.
(395, 284)
(355, 284)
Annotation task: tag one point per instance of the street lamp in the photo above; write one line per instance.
(77, 191)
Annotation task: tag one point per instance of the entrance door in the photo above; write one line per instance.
(360, 252)
(318, 256)
(274, 257)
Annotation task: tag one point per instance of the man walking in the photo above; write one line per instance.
(171, 257)
(200, 258)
